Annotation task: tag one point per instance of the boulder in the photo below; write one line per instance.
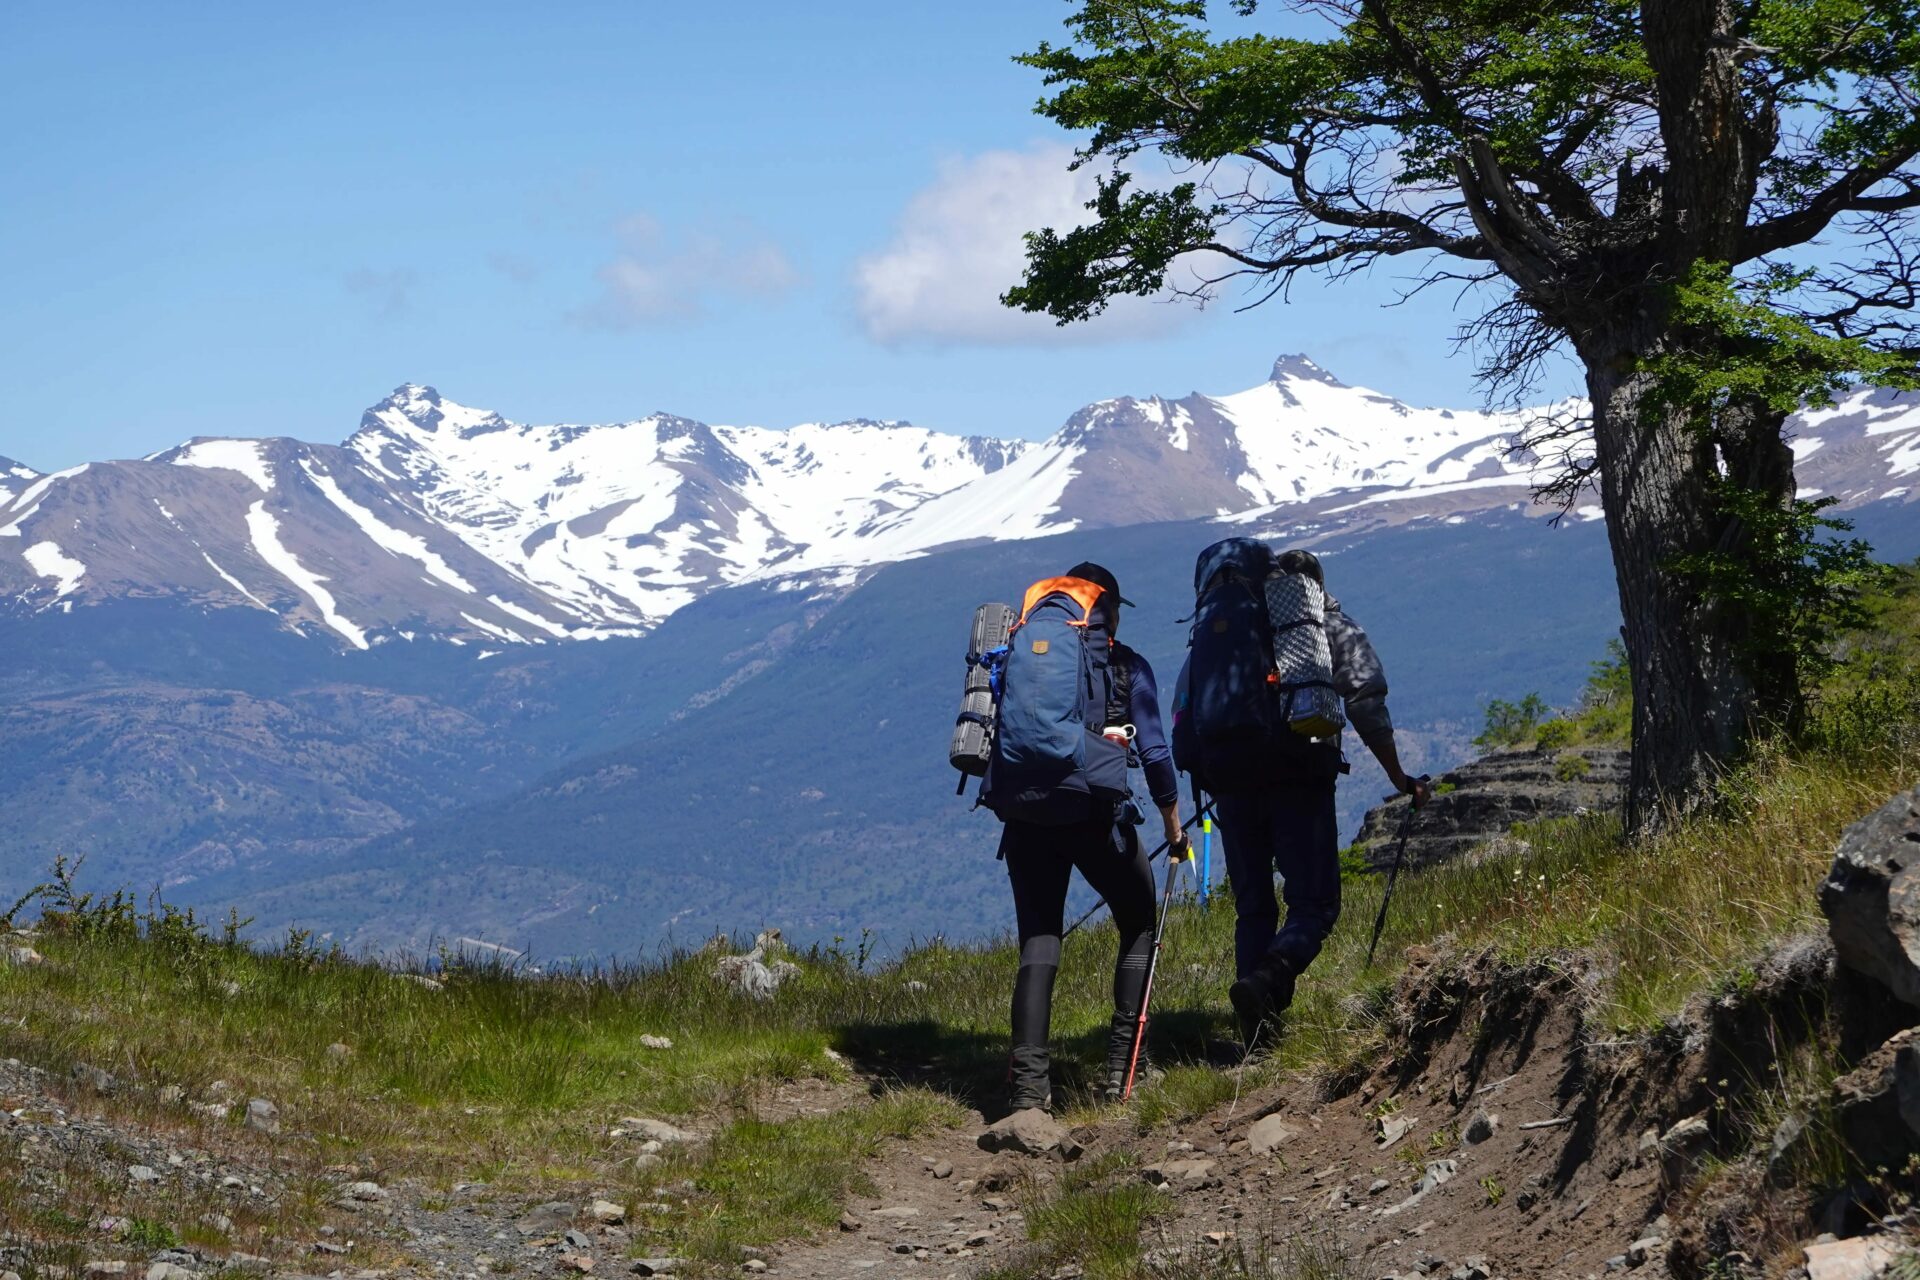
(1878, 1102)
(1031, 1132)
(1682, 1147)
(1268, 1134)
(750, 975)
(1872, 897)
(650, 1131)
(546, 1219)
(1189, 1174)
(1862, 1258)
(263, 1116)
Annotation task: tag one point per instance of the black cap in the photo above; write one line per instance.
(1098, 575)
(1297, 561)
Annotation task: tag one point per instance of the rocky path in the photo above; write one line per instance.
(1495, 1141)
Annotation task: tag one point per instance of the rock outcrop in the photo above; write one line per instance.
(1872, 897)
(1481, 801)
(1878, 1102)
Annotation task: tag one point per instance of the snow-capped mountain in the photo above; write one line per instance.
(14, 476)
(439, 520)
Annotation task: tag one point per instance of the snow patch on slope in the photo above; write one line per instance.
(29, 497)
(265, 532)
(245, 456)
(385, 536)
(49, 561)
(234, 582)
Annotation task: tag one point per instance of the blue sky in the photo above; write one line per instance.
(256, 220)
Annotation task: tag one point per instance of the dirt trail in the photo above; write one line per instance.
(1555, 1181)
(1496, 1139)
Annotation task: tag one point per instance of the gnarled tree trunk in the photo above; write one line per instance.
(1697, 693)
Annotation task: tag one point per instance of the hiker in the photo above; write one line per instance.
(1043, 840)
(1276, 811)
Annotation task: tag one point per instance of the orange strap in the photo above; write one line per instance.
(1083, 593)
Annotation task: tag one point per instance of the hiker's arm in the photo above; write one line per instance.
(1388, 754)
(1150, 740)
(1361, 681)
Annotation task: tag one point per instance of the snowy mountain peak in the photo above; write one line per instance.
(440, 520)
(1297, 368)
(414, 407)
(877, 424)
(14, 476)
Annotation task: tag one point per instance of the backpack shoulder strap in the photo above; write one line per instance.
(1120, 697)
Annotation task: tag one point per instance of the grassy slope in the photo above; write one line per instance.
(515, 1080)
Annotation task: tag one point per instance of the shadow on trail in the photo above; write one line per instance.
(971, 1066)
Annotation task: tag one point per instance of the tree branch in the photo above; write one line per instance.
(1845, 195)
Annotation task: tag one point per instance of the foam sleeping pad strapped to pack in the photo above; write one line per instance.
(1302, 658)
(986, 647)
(1049, 763)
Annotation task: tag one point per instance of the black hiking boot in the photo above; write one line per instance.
(1029, 1083)
(1259, 998)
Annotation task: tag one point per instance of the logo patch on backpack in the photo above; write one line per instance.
(1041, 646)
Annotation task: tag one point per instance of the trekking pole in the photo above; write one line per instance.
(1174, 858)
(1092, 910)
(1399, 852)
(1206, 859)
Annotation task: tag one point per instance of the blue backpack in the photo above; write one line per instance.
(1054, 683)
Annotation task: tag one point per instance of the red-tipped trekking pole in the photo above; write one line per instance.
(1175, 856)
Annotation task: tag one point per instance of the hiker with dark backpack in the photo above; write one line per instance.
(1273, 662)
(1073, 709)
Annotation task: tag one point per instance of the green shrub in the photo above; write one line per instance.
(1555, 734)
(1571, 767)
(1510, 724)
(148, 1234)
(1353, 863)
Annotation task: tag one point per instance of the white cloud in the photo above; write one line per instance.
(959, 246)
(662, 279)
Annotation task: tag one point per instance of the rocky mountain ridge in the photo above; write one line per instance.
(435, 520)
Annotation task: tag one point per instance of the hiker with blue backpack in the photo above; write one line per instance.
(1275, 669)
(1056, 711)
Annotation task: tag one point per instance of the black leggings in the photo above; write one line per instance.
(1040, 861)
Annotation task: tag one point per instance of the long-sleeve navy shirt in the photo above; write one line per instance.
(1149, 735)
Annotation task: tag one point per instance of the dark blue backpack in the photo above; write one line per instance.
(1229, 733)
(1050, 765)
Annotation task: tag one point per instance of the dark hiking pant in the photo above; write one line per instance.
(1040, 861)
(1289, 829)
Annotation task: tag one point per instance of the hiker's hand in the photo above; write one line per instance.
(1170, 819)
(1180, 849)
(1418, 788)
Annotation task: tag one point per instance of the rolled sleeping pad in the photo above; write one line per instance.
(973, 731)
(1302, 657)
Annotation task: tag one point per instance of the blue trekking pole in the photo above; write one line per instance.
(1203, 868)
(1206, 858)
